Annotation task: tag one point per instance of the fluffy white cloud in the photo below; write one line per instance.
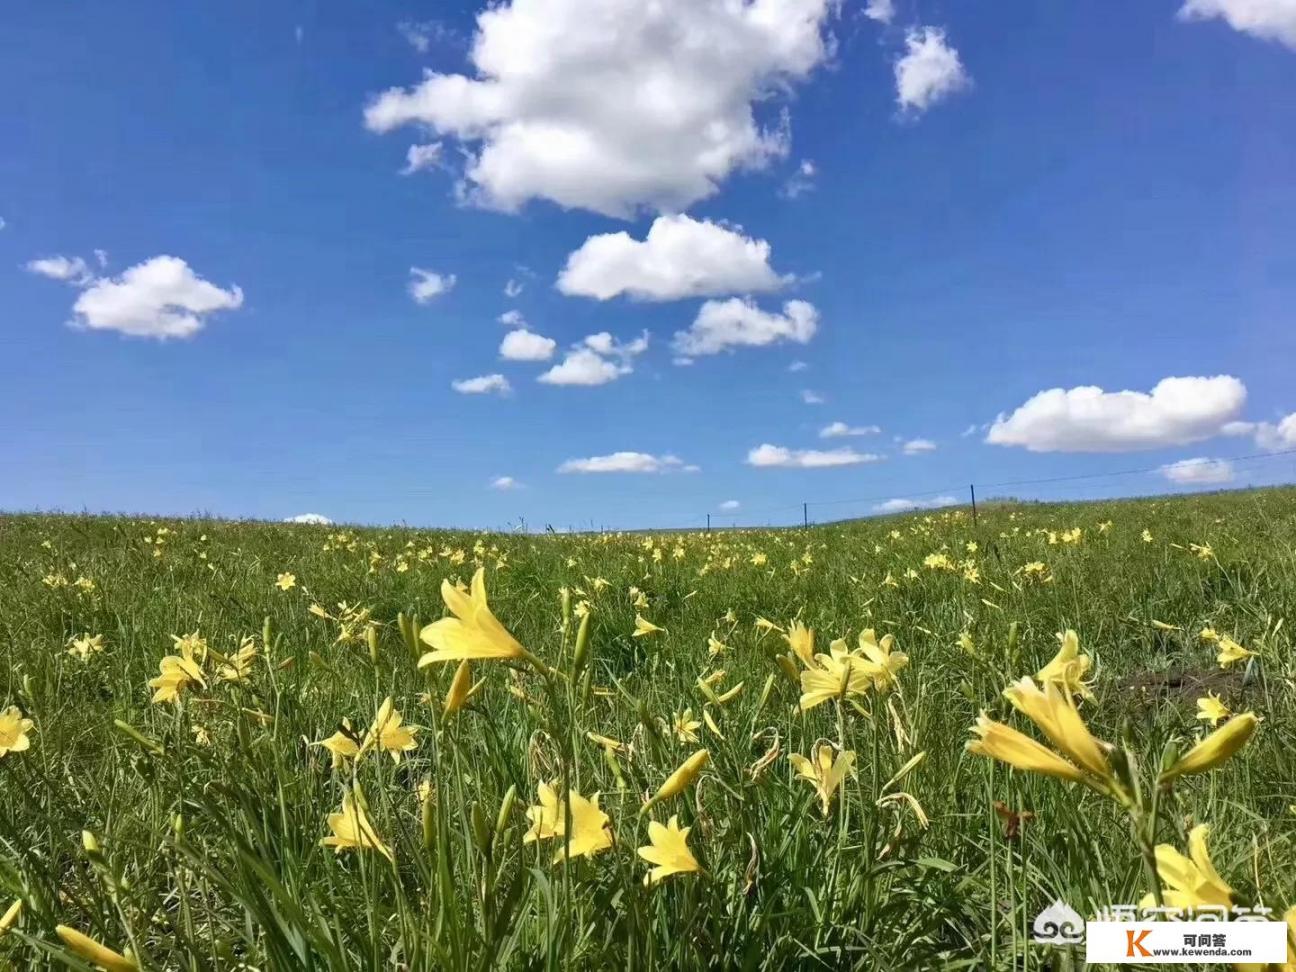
(512, 318)
(627, 462)
(1269, 436)
(1266, 19)
(722, 325)
(420, 157)
(916, 447)
(840, 430)
(812, 397)
(767, 455)
(796, 366)
(1088, 419)
(513, 288)
(315, 519)
(902, 505)
(929, 71)
(679, 257)
(596, 360)
(159, 298)
(426, 285)
(482, 385)
(73, 270)
(505, 483)
(1199, 471)
(524, 345)
(883, 11)
(729, 506)
(610, 105)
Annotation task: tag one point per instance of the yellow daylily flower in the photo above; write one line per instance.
(1230, 652)
(286, 582)
(1211, 709)
(1192, 881)
(546, 817)
(644, 627)
(668, 849)
(85, 646)
(685, 726)
(1054, 711)
(1068, 667)
(342, 745)
(886, 663)
(14, 731)
(1007, 745)
(352, 829)
(472, 631)
(388, 733)
(825, 772)
(1215, 748)
(801, 640)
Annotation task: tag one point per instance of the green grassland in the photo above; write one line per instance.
(207, 815)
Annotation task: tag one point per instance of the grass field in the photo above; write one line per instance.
(186, 833)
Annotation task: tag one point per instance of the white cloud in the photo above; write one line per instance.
(799, 182)
(512, 318)
(596, 360)
(420, 157)
(1266, 19)
(768, 456)
(427, 285)
(679, 257)
(812, 397)
(883, 11)
(1198, 471)
(421, 34)
(1088, 419)
(840, 430)
(612, 105)
(315, 519)
(729, 506)
(1269, 436)
(930, 70)
(796, 366)
(482, 385)
(916, 447)
(722, 325)
(513, 288)
(524, 345)
(627, 462)
(73, 270)
(971, 430)
(159, 298)
(902, 505)
(505, 483)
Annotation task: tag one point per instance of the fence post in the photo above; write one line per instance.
(708, 523)
(805, 514)
(972, 488)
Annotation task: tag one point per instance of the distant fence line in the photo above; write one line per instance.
(965, 494)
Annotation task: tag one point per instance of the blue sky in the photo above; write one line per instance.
(1001, 199)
